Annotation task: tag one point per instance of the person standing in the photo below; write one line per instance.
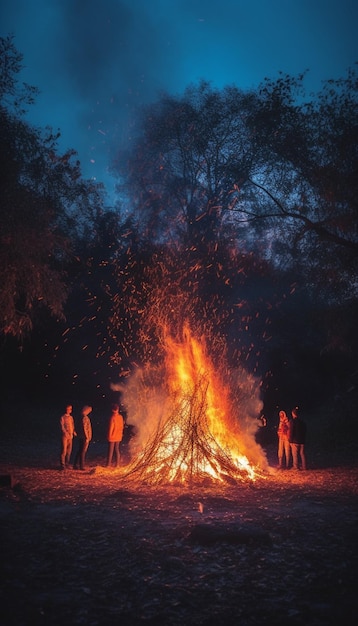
(84, 437)
(297, 439)
(67, 425)
(115, 434)
(284, 449)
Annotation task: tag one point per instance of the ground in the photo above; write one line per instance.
(90, 548)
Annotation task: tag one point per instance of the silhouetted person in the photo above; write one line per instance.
(128, 434)
(297, 439)
(261, 431)
(284, 448)
(84, 433)
(115, 434)
(67, 425)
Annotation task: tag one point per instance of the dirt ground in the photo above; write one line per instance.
(92, 548)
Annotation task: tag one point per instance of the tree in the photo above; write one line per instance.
(271, 170)
(305, 191)
(179, 172)
(44, 206)
(12, 95)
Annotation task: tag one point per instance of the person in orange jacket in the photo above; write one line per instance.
(115, 435)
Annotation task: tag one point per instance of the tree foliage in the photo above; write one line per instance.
(272, 170)
(306, 189)
(13, 96)
(236, 202)
(179, 173)
(44, 205)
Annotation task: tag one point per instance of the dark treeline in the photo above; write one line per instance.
(237, 212)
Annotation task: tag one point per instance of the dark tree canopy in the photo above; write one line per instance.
(272, 170)
(185, 164)
(44, 206)
(309, 179)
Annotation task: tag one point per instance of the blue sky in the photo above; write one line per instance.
(95, 61)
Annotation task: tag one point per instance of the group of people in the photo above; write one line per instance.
(83, 432)
(291, 438)
(291, 441)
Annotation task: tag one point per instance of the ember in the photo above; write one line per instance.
(190, 431)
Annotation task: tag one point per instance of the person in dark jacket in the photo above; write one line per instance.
(297, 439)
(84, 433)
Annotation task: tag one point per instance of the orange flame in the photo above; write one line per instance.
(197, 435)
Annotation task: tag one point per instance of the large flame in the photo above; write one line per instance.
(192, 431)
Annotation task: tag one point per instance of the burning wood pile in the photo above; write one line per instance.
(189, 429)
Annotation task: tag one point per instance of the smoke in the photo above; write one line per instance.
(149, 405)
(115, 58)
(246, 390)
(146, 402)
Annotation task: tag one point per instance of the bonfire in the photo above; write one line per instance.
(189, 429)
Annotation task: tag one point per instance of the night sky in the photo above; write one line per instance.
(95, 61)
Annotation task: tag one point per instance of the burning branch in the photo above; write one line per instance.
(193, 439)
